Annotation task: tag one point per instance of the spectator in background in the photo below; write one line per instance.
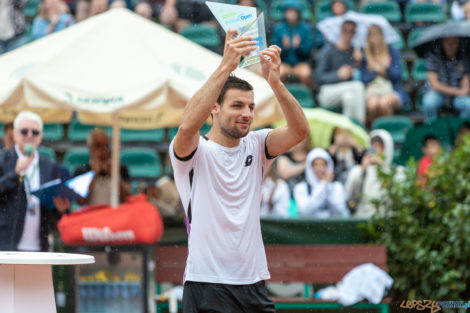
(448, 82)
(149, 9)
(381, 74)
(12, 25)
(87, 8)
(464, 130)
(50, 19)
(295, 39)
(291, 165)
(177, 14)
(363, 184)
(460, 10)
(100, 162)
(25, 221)
(345, 152)
(334, 75)
(338, 7)
(319, 196)
(275, 193)
(431, 147)
(8, 136)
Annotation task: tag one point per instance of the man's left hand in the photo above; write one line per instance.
(61, 204)
(271, 68)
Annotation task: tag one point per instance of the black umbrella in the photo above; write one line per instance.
(430, 40)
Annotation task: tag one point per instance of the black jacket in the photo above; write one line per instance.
(13, 201)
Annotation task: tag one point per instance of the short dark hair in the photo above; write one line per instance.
(429, 137)
(348, 22)
(233, 82)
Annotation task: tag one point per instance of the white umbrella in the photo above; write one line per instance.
(331, 27)
(116, 69)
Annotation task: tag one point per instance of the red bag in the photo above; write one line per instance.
(134, 222)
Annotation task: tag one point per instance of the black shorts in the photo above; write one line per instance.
(221, 298)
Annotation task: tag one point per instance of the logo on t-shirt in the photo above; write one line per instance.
(248, 160)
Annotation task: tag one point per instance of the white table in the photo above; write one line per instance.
(26, 279)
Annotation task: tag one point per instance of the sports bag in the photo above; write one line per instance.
(136, 221)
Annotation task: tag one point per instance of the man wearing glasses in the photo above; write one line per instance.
(24, 222)
(100, 162)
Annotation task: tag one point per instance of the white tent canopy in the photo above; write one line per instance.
(116, 69)
(117, 61)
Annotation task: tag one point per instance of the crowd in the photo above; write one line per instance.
(363, 82)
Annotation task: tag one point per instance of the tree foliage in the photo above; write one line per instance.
(427, 229)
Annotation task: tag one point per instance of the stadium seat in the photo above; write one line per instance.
(142, 162)
(400, 45)
(426, 12)
(173, 130)
(388, 9)
(1, 129)
(303, 94)
(48, 152)
(418, 71)
(31, 9)
(414, 138)
(79, 132)
(53, 132)
(413, 35)
(397, 126)
(75, 157)
(150, 135)
(277, 10)
(202, 34)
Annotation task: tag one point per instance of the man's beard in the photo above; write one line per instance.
(234, 132)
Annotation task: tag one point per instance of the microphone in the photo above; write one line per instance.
(28, 149)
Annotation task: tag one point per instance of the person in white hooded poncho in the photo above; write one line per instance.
(319, 196)
(363, 184)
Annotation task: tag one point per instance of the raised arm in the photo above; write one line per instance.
(201, 104)
(284, 137)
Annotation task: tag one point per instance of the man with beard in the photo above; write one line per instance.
(219, 178)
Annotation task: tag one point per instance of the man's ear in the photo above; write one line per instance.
(215, 109)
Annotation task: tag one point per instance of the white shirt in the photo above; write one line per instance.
(30, 240)
(224, 237)
(280, 195)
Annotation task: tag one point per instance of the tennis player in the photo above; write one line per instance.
(219, 179)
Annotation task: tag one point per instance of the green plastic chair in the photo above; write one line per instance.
(1, 129)
(203, 35)
(173, 130)
(150, 135)
(53, 132)
(31, 8)
(277, 10)
(388, 9)
(397, 126)
(413, 35)
(419, 71)
(79, 132)
(303, 94)
(400, 45)
(142, 162)
(426, 12)
(48, 152)
(75, 157)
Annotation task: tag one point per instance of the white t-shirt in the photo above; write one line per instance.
(222, 204)
(30, 239)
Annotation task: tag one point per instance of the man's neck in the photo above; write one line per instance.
(343, 45)
(222, 139)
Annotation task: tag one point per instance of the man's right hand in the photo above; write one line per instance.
(236, 48)
(22, 163)
(345, 72)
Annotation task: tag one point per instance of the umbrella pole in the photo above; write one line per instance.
(115, 162)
